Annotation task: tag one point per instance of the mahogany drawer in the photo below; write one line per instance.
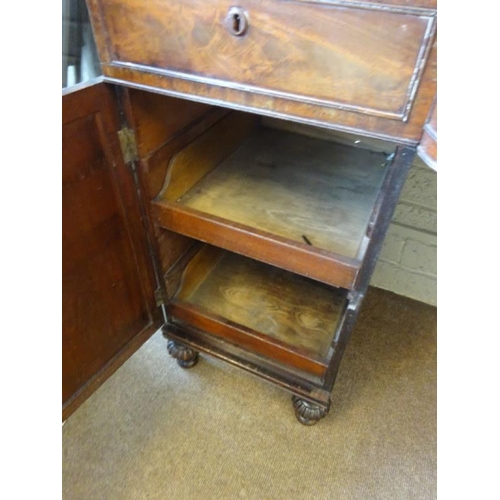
(342, 59)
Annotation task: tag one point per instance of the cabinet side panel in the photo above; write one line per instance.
(157, 119)
(164, 126)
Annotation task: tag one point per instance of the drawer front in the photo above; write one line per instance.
(362, 59)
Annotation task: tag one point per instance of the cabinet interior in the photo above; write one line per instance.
(287, 199)
(261, 228)
(302, 189)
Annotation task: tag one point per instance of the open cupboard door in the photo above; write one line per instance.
(109, 274)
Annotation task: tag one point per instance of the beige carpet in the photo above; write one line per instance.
(155, 431)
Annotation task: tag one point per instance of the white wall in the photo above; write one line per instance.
(407, 263)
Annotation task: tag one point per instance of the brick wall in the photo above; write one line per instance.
(407, 263)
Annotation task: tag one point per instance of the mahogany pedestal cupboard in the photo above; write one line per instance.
(231, 177)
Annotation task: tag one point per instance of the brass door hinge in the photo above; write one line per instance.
(128, 145)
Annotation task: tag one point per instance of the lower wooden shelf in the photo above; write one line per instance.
(279, 315)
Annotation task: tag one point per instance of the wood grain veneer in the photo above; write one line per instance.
(353, 66)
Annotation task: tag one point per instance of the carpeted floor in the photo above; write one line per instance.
(155, 431)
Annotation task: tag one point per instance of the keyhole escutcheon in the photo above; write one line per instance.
(237, 21)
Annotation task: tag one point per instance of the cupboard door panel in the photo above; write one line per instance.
(108, 280)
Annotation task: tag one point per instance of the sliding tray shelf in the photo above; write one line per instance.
(299, 203)
(282, 317)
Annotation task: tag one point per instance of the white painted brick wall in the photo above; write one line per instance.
(407, 263)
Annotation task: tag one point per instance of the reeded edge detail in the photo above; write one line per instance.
(307, 413)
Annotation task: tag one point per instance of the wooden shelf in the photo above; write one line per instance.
(280, 315)
(296, 202)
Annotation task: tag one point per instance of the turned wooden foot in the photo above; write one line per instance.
(307, 413)
(185, 356)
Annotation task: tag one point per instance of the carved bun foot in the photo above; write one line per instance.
(185, 356)
(307, 413)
